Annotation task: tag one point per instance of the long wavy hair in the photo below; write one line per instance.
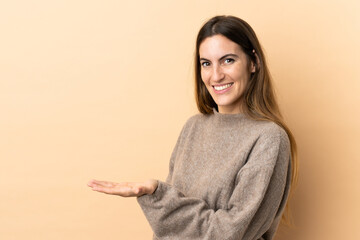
(259, 100)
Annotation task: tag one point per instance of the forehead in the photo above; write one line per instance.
(217, 46)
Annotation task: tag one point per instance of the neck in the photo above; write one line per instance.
(231, 110)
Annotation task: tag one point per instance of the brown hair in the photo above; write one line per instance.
(259, 100)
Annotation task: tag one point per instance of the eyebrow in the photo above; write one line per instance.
(225, 56)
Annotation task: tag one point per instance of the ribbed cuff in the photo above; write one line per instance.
(155, 196)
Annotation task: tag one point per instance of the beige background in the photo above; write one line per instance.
(101, 89)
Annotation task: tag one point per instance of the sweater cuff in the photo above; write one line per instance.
(155, 196)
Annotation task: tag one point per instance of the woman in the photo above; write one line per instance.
(234, 163)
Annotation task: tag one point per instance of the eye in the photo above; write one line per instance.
(205, 64)
(229, 60)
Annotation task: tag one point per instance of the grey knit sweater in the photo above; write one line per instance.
(228, 179)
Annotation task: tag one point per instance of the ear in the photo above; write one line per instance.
(255, 66)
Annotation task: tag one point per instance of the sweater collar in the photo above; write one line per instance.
(228, 116)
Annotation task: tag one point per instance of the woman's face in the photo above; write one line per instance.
(224, 71)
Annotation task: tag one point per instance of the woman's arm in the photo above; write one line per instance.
(253, 205)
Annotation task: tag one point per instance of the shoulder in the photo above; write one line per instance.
(271, 145)
(192, 124)
(271, 132)
(269, 128)
(194, 120)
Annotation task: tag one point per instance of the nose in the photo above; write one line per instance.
(217, 74)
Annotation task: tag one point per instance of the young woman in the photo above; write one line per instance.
(235, 162)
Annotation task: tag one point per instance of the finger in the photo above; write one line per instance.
(123, 191)
(102, 189)
(102, 183)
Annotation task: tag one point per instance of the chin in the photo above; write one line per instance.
(227, 103)
(224, 103)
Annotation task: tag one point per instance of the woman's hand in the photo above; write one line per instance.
(125, 189)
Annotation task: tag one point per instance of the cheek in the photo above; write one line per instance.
(203, 76)
(241, 74)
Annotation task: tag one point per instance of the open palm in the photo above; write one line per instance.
(124, 189)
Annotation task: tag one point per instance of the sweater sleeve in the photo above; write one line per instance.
(253, 205)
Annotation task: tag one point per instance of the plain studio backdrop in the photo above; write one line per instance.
(101, 89)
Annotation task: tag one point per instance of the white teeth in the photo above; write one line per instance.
(219, 88)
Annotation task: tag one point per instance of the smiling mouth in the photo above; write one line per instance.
(222, 87)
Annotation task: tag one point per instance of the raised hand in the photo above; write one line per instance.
(124, 189)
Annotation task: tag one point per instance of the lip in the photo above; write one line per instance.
(224, 90)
